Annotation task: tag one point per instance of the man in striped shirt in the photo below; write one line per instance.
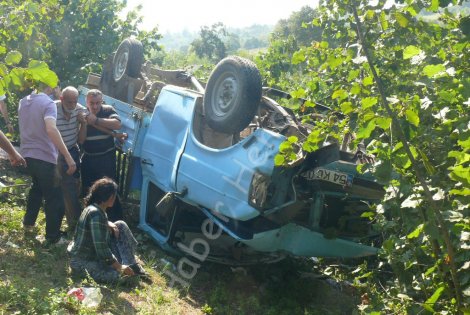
(71, 123)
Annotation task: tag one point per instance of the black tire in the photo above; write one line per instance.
(233, 94)
(128, 59)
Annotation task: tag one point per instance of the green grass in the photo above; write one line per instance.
(34, 280)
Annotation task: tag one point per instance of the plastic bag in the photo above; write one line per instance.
(90, 297)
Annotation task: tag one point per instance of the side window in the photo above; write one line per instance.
(158, 218)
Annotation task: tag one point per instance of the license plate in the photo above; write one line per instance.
(339, 178)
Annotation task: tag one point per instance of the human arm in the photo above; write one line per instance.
(15, 158)
(111, 123)
(56, 138)
(107, 126)
(82, 127)
(4, 111)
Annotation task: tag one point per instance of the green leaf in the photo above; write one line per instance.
(433, 70)
(460, 192)
(334, 62)
(434, 6)
(402, 160)
(365, 132)
(40, 72)
(368, 215)
(384, 122)
(412, 117)
(417, 232)
(411, 51)
(430, 169)
(401, 19)
(368, 102)
(17, 77)
(3, 70)
(429, 304)
(298, 57)
(353, 74)
(13, 58)
(356, 89)
(368, 115)
(300, 93)
(310, 146)
(430, 270)
(346, 107)
(308, 103)
(293, 139)
(460, 173)
(465, 144)
(370, 14)
(368, 81)
(279, 160)
(285, 147)
(3, 50)
(339, 94)
(384, 20)
(461, 157)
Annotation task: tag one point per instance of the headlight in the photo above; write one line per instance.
(258, 195)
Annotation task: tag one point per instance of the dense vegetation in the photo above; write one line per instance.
(403, 84)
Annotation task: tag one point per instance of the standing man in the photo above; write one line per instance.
(40, 140)
(71, 124)
(99, 151)
(4, 111)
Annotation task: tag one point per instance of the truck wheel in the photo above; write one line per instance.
(128, 59)
(233, 94)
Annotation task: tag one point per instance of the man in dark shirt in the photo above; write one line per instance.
(99, 152)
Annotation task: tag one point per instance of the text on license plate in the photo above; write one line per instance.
(339, 178)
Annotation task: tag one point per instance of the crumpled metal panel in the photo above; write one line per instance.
(300, 241)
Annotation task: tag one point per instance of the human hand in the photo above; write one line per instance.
(91, 119)
(113, 228)
(121, 136)
(82, 117)
(72, 167)
(17, 160)
(127, 270)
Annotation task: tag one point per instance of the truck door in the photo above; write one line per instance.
(166, 137)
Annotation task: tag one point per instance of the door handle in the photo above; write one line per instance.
(147, 162)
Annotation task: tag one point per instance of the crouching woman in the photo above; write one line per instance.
(100, 248)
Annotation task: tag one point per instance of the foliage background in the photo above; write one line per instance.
(403, 84)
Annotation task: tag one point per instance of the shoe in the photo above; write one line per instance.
(140, 272)
(56, 242)
(29, 228)
(138, 269)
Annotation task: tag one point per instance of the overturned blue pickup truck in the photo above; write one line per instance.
(202, 156)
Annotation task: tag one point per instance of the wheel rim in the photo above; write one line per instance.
(121, 64)
(223, 99)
